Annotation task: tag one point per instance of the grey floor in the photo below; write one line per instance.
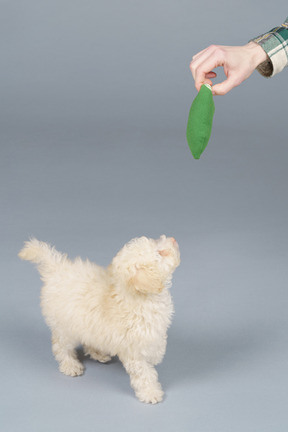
(93, 153)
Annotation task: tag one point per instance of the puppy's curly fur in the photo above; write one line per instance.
(124, 309)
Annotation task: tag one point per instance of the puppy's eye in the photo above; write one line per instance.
(164, 252)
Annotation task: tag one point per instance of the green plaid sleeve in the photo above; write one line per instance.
(275, 44)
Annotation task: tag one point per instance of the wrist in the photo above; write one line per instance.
(257, 53)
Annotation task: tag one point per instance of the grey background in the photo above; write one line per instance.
(94, 102)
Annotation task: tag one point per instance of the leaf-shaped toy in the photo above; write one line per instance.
(200, 121)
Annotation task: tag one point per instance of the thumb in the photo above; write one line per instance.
(223, 88)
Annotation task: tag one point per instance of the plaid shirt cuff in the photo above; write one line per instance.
(275, 44)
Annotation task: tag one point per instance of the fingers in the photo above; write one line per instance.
(207, 79)
(211, 75)
(203, 64)
(196, 56)
(238, 63)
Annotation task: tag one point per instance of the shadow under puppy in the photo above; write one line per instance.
(124, 309)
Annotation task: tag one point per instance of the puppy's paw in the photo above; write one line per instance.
(97, 355)
(71, 367)
(102, 358)
(150, 395)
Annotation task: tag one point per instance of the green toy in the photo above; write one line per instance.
(200, 121)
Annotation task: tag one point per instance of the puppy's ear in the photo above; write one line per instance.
(147, 280)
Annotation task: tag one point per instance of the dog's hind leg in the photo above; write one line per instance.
(64, 352)
(96, 354)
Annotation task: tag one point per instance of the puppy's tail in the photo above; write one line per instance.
(41, 253)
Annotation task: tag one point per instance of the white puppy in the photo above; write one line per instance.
(122, 310)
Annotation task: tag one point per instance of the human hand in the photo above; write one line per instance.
(238, 63)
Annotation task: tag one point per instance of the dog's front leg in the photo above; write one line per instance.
(144, 380)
